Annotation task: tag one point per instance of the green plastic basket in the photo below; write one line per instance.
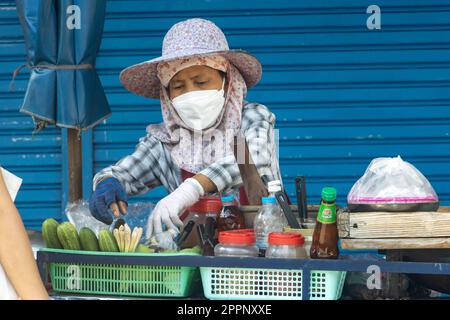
(269, 284)
(121, 279)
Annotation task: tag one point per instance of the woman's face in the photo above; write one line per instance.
(195, 78)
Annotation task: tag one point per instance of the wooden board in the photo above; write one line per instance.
(444, 209)
(381, 225)
(409, 243)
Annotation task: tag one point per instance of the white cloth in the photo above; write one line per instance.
(12, 183)
(7, 291)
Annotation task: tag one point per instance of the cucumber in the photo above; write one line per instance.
(88, 240)
(68, 236)
(50, 234)
(107, 242)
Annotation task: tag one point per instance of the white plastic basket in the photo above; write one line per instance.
(269, 284)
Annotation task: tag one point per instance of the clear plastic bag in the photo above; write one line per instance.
(391, 180)
(79, 215)
(165, 240)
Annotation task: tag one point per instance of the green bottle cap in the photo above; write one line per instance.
(329, 194)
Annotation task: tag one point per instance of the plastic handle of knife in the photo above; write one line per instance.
(292, 221)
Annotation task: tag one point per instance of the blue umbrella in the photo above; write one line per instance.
(62, 38)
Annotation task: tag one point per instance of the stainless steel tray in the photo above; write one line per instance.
(394, 207)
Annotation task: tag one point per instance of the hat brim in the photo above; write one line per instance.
(142, 78)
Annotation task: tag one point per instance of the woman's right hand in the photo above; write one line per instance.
(108, 194)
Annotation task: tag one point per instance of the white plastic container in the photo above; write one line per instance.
(236, 243)
(286, 246)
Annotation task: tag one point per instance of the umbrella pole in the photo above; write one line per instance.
(75, 165)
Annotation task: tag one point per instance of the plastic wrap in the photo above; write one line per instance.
(392, 181)
(164, 240)
(79, 215)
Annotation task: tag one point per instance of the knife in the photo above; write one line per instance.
(210, 226)
(292, 221)
(185, 233)
(302, 204)
(200, 233)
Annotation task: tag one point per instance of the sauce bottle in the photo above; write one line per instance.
(230, 217)
(325, 237)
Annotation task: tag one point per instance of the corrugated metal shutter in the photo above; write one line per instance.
(342, 94)
(38, 159)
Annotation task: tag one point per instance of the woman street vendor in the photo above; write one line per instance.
(202, 86)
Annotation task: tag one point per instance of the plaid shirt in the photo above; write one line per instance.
(151, 165)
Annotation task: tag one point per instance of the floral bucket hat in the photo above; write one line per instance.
(192, 37)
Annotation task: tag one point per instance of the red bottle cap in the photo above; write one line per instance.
(207, 205)
(286, 239)
(233, 237)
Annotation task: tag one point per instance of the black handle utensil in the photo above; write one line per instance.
(186, 232)
(302, 204)
(292, 221)
(210, 230)
(201, 234)
(206, 234)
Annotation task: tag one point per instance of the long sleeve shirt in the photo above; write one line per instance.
(151, 165)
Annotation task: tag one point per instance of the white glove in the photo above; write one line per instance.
(169, 208)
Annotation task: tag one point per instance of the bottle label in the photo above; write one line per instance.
(327, 214)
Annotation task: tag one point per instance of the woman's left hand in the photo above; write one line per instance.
(169, 208)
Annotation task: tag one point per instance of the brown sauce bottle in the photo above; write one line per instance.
(325, 238)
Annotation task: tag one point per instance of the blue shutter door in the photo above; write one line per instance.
(36, 159)
(342, 94)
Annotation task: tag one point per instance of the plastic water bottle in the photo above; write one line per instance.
(269, 219)
(273, 187)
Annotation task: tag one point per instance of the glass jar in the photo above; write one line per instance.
(206, 207)
(236, 243)
(286, 246)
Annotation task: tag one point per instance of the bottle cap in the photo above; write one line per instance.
(274, 186)
(329, 194)
(286, 239)
(228, 198)
(267, 200)
(232, 237)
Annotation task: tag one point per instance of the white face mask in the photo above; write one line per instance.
(199, 109)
